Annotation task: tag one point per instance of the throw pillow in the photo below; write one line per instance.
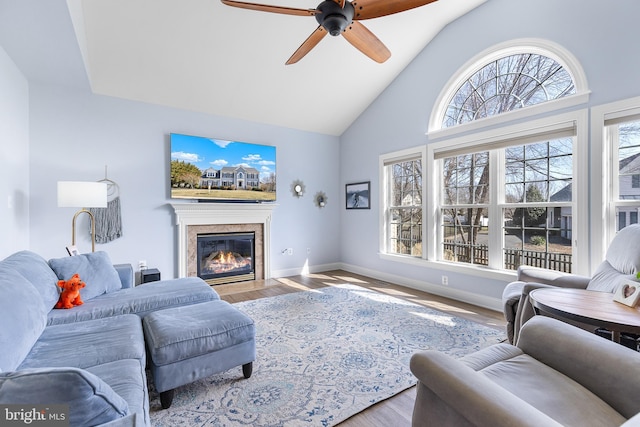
(96, 270)
(36, 270)
(91, 401)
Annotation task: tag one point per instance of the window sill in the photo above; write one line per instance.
(470, 270)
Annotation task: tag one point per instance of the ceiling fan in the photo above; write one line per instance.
(341, 17)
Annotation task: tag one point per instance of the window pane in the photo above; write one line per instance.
(466, 179)
(405, 232)
(507, 84)
(466, 234)
(404, 216)
(629, 161)
(539, 237)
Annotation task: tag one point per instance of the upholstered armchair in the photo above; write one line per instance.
(557, 375)
(621, 263)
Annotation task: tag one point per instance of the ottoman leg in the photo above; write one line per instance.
(247, 369)
(166, 398)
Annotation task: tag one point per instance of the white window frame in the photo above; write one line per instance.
(385, 195)
(480, 134)
(511, 47)
(604, 174)
(490, 139)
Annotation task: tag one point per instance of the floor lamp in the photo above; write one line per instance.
(78, 194)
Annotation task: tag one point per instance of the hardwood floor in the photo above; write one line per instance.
(397, 410)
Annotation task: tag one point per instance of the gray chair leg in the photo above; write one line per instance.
(247, 369)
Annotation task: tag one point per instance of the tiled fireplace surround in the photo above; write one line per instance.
(201, 218)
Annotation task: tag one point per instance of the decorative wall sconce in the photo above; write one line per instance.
(320, 199)
(297, 188)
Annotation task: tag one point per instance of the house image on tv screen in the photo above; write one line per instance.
(239, 177)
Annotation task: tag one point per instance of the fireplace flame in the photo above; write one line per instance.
(222, 262)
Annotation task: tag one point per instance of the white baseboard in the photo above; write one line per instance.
(456, 294)
(305, 270)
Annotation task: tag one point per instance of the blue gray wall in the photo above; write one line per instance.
(602, 35)
(14, 157)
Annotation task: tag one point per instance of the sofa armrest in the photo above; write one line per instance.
(550, 277)
(91, 401)
(607, 369)
(125, 272)
(469, 396)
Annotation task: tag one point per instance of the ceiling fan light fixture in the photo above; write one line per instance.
(333, 17)
(335, 24)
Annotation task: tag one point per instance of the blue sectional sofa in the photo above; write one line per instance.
(90, 357)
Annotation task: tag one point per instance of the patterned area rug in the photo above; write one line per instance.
(322, 356)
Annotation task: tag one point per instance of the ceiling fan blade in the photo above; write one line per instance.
(367, 9)
(366, 42)
(269, 8)
(308, 44)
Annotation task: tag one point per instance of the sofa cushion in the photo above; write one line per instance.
(127, 377)
(552, 392)
(608, 279)
(36, 270)
(23, 317)
(91, 401)
(86, 344)
(95, 269)
(140, 300)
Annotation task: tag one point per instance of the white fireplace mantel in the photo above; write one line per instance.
(222, 213)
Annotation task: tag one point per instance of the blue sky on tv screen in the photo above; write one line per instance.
(218, 153)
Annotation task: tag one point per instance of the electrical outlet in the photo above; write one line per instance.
(308, 251)
(445, 280)
(142, 264)
(290, 251)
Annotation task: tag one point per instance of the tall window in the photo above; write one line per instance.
(531, 211)
(465, 198)
(507, 196)
(537, 212)
(626, 171)
(403, 213)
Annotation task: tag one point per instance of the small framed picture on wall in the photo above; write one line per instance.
(358, 195)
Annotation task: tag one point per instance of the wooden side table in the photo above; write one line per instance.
(590, 307)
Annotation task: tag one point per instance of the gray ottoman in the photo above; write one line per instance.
(195, 341)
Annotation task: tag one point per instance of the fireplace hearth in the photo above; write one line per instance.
(226, 257)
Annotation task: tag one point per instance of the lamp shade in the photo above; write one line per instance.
(80, 194)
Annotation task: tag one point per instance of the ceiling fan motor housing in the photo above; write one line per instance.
(333, 17)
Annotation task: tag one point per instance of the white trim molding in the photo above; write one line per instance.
(222, 213)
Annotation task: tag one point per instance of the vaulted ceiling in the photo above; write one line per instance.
(201, 55)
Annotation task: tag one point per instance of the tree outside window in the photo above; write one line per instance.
(533, 208)
(404, 213)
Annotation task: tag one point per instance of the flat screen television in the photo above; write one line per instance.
(209, 169)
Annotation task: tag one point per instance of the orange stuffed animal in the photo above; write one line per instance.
(70, 295)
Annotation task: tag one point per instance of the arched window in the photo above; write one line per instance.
(517, 79)
(506, 84)
(507, 187)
